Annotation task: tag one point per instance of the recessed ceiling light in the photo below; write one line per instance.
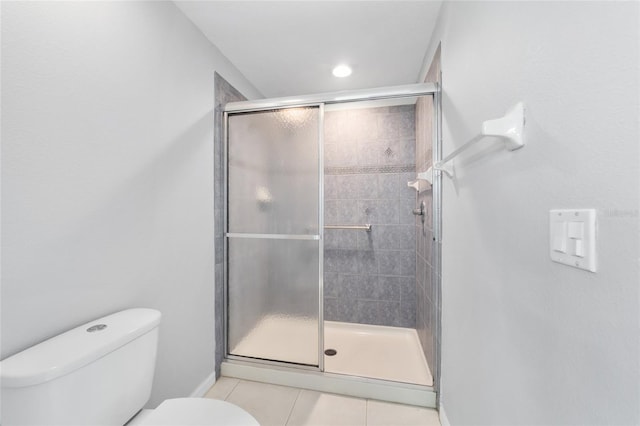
(342, 71)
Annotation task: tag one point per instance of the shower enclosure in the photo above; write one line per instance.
(280, 302)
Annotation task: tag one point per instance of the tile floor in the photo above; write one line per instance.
(274, 405)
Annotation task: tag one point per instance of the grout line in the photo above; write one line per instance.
(232, 389)
(293, 406)
(366, 412)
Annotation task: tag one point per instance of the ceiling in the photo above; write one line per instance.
(288, 48)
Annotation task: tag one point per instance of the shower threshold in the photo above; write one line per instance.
(361, 387)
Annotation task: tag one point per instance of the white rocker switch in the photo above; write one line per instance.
(559, 237)
(576, 230)
(573, 238)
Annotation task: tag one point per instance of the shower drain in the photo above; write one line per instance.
(330, 352)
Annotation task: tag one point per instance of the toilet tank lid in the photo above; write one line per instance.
(76, 348)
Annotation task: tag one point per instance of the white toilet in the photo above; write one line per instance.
(101, 374)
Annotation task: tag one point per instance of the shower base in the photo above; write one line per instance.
(378, 352)
(384, 363)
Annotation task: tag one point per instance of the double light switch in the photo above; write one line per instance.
(573, 238)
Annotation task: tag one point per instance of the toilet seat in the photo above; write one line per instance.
(198, 412)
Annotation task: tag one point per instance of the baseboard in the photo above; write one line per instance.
(202, 389)
(444, 421)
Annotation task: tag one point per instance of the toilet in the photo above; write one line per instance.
(101, 374)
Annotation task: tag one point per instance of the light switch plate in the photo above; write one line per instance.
(572, 238)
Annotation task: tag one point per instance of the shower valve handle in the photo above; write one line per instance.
(419, 211)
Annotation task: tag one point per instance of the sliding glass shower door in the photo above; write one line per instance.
(274, 235)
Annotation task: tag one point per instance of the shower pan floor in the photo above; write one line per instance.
(371, 351)
(378, 352)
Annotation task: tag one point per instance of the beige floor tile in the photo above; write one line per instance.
(388, 414)
(323, 409)
(269, 404)
(222, 388)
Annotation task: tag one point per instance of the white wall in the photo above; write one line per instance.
(526, 340)
(107, 175)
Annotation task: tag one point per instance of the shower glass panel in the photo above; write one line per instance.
(274, 246)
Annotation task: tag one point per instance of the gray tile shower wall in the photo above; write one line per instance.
(427, 278)
(369, 277)
(424, 234)
(224, 93)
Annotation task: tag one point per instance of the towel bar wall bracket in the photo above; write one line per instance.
(509, 128)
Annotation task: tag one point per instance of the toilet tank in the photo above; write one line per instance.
(97, 374)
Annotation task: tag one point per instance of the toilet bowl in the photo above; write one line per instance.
(194, 412)
(101, 374)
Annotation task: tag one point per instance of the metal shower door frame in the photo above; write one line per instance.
(319, 237)
(321, 99)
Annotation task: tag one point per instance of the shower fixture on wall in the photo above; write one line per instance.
(420, 211)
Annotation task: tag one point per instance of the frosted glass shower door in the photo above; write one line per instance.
(274, 247)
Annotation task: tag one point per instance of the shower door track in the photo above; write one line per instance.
(320, 99)
(322, 381)
(391, 92)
